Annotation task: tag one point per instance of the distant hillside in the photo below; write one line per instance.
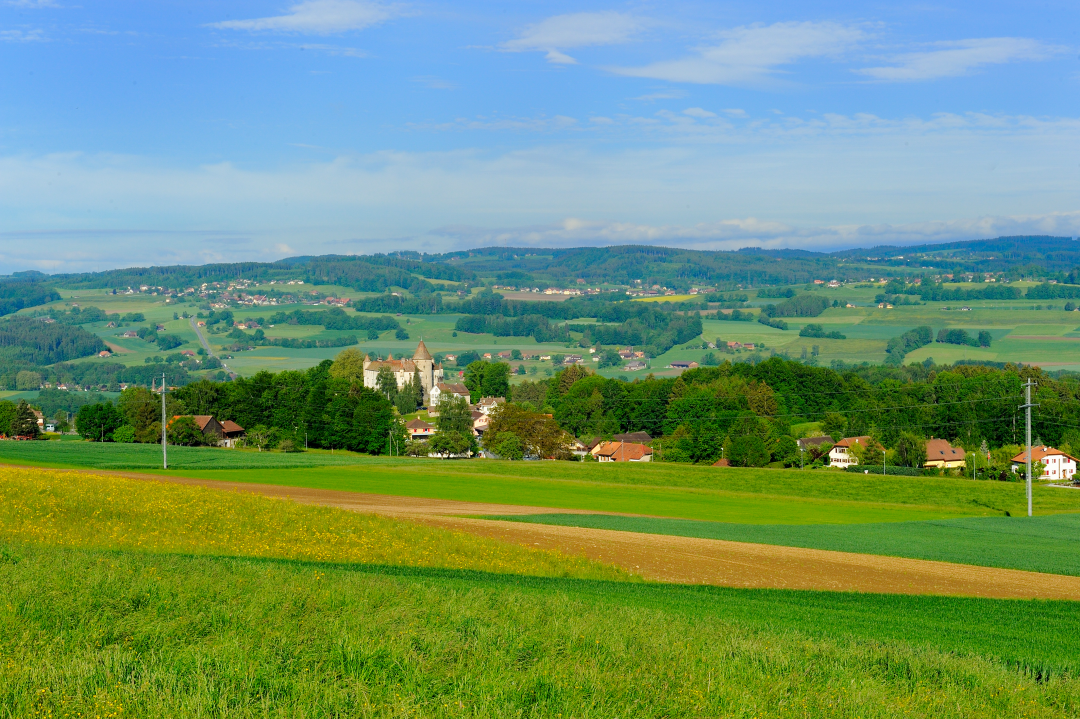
(1030, 257)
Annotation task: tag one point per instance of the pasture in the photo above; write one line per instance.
(133, 598)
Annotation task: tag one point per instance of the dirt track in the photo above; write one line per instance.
(689, 560)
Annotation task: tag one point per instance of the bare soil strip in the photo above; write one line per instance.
(687, 560)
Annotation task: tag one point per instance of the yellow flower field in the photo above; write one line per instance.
(71, 509)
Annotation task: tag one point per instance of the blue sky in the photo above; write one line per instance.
(136, 133)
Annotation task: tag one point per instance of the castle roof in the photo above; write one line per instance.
(422, 352)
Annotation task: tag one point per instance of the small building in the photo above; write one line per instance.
(941, 455)
(104, 353)
(505, 354)
(641, 437)
(480, 423)
(130, 333)
(807, 443)
(1058, 465)
(487, 404)
(206, 424)
(841, 456)
(231, 433)
(635, 366)
(682, 365)
(448, 389)
(419, 429)
(622, 452)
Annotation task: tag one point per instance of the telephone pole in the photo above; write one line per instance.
(1027, 437)
(164, 443)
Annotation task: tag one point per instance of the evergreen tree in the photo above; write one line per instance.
(387, 383)
(25, 422)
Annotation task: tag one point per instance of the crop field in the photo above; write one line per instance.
(134, 598)
(1041, 544)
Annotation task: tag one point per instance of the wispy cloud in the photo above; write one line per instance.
(21, 35)
(754, 54)
(698, 113)
(755, 232)
(320, 17)
(565, 32)
(961, 57)
(532, 124)
(434, 82)
(33, 3)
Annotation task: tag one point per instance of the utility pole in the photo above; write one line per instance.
(164, 443)
(1027, 437)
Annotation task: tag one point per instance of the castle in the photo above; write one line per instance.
(404, 369)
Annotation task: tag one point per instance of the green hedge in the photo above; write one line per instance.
(876, 469)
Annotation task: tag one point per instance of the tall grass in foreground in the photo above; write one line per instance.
(71, 509)
(92, 633)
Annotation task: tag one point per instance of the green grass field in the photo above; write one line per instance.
(100, 633)
(740, 496)
(1040, 544)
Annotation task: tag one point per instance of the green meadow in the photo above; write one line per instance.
(122, 598)
(121, 633)
(740, 496)
(1039, 544)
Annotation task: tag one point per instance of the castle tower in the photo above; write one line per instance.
(426, 364)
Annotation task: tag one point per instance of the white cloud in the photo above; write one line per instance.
(734, 112)
(564, 32)
(320, 17)
(698, 113)
(21, 36)
(33, 3)
(754, 54)
(753, 232)
(952, 59)
(824, 181)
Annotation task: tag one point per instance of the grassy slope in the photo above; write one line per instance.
(163, 635)
(93, 511)
(730, 495)
(1042, 544)
(139, 627)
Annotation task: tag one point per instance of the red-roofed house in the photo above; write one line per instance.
(622, 452)
(419, 429)
(841, 456)
(1058, 464)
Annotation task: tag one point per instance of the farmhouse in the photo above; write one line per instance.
(941, 455)
(422, 363)
(635, 366)
(683, 365)
(1058, 464)
(841, 456)
(622, 452)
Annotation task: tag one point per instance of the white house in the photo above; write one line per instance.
(1058, 464)
(448, 389)
(841, 456)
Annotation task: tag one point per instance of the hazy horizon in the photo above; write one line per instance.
(137, 135)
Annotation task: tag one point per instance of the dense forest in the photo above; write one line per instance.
(20, 292)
